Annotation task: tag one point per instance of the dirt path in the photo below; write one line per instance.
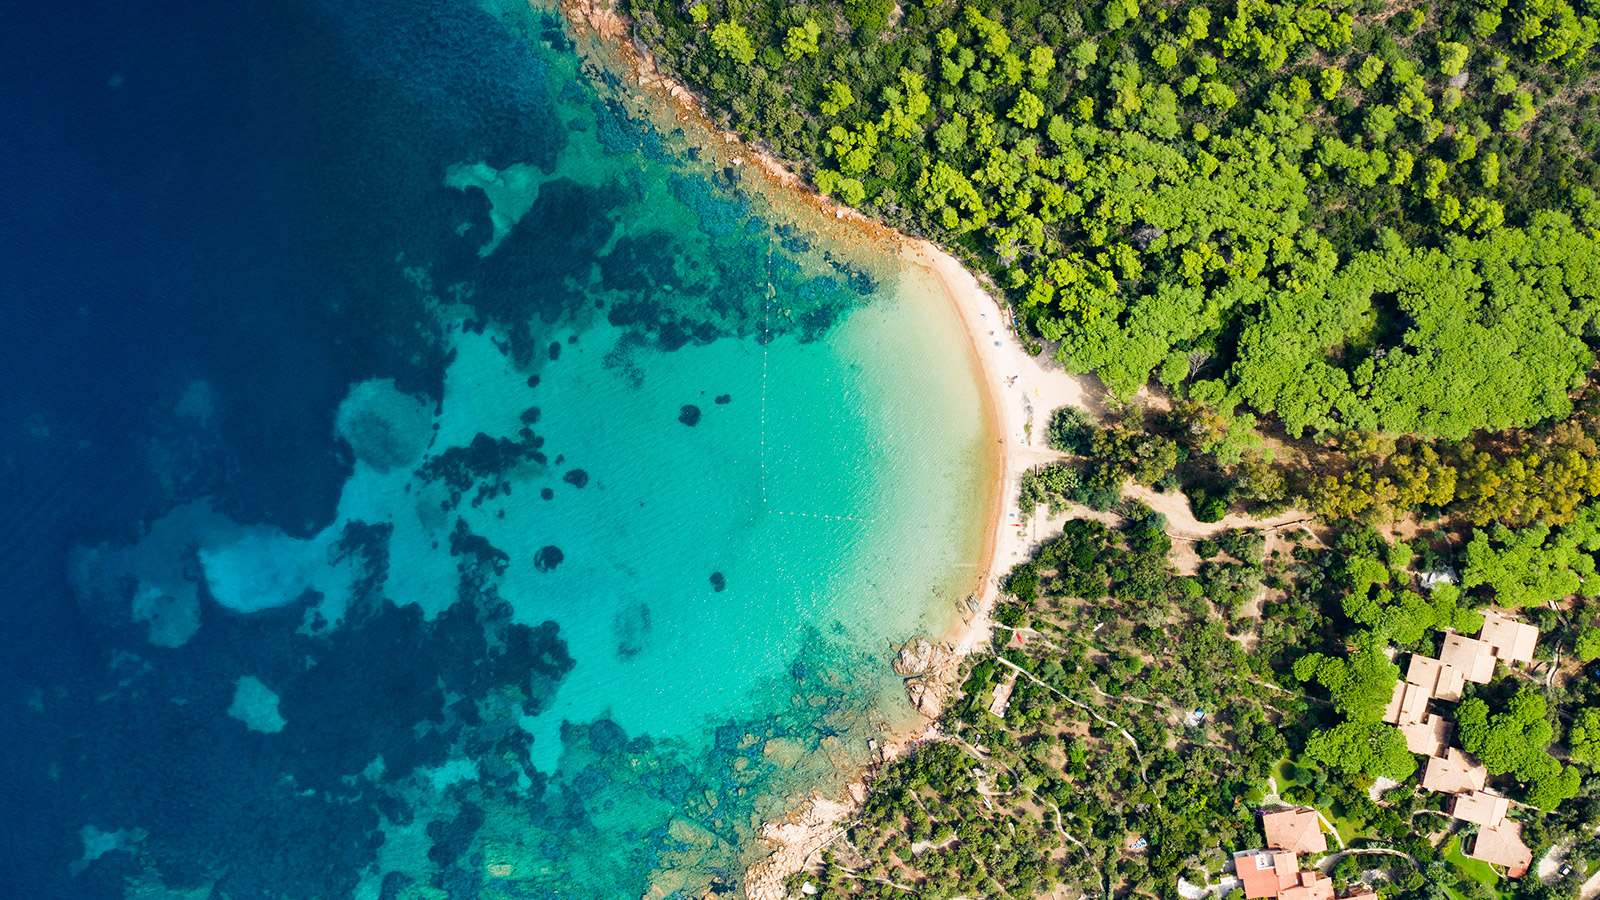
(1083, 706)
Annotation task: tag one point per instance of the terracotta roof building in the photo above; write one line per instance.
(1295, 830)
(1508, 639)
(1309, 886)
(1407, 706)
(1485, 808)
(1438, 679)
(1502, 846)
(1473, 657)
(1429, 737)
(1266, 873)
(1453, 773)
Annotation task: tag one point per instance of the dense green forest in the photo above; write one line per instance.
(1348, 215)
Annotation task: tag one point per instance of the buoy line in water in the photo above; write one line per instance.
(766, 341)
(780, 512)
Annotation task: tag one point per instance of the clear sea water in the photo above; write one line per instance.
(429, 476)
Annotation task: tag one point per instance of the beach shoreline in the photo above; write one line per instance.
(1019, 393)
(1023, 390)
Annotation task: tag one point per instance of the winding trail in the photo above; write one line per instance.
(1083, 706)
(1063, 832)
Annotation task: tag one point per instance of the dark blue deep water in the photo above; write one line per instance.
(203, 191)
(396, 502)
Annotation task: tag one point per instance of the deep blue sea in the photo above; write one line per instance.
(430, 472)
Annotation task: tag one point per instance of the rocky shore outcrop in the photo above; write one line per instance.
(930, 672)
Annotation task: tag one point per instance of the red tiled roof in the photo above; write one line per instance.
(1508, 639)
(1472, 657)
(1453, 773)
(1481, 807)
(1294, 830)
(1309, 886)
(1265, 873)
(1429, 737)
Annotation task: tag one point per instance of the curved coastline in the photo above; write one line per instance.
(1017, 391)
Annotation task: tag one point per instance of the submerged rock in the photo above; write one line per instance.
(689, 415)
(548, 557)
(577, 478)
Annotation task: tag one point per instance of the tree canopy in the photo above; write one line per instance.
(1513, 742)
(1533, 565)
(1367, 222)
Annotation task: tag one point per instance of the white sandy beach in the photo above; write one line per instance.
(1023, 390)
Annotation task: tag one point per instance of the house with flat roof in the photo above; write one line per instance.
(1297, 831)
(1502, 846)
(1454, 773)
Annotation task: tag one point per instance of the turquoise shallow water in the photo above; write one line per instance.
(635, 485)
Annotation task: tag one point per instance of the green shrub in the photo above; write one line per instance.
(1206, 507)
(1071, 431)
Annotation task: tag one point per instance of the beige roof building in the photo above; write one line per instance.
(1407, 706)
(1438, 679)
(1508, 639)
(1454, 773)
(1002, 697)
(1473, 657)
(1295, 830)
(1482, 807)
(1429, 737)
(1502, 846)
